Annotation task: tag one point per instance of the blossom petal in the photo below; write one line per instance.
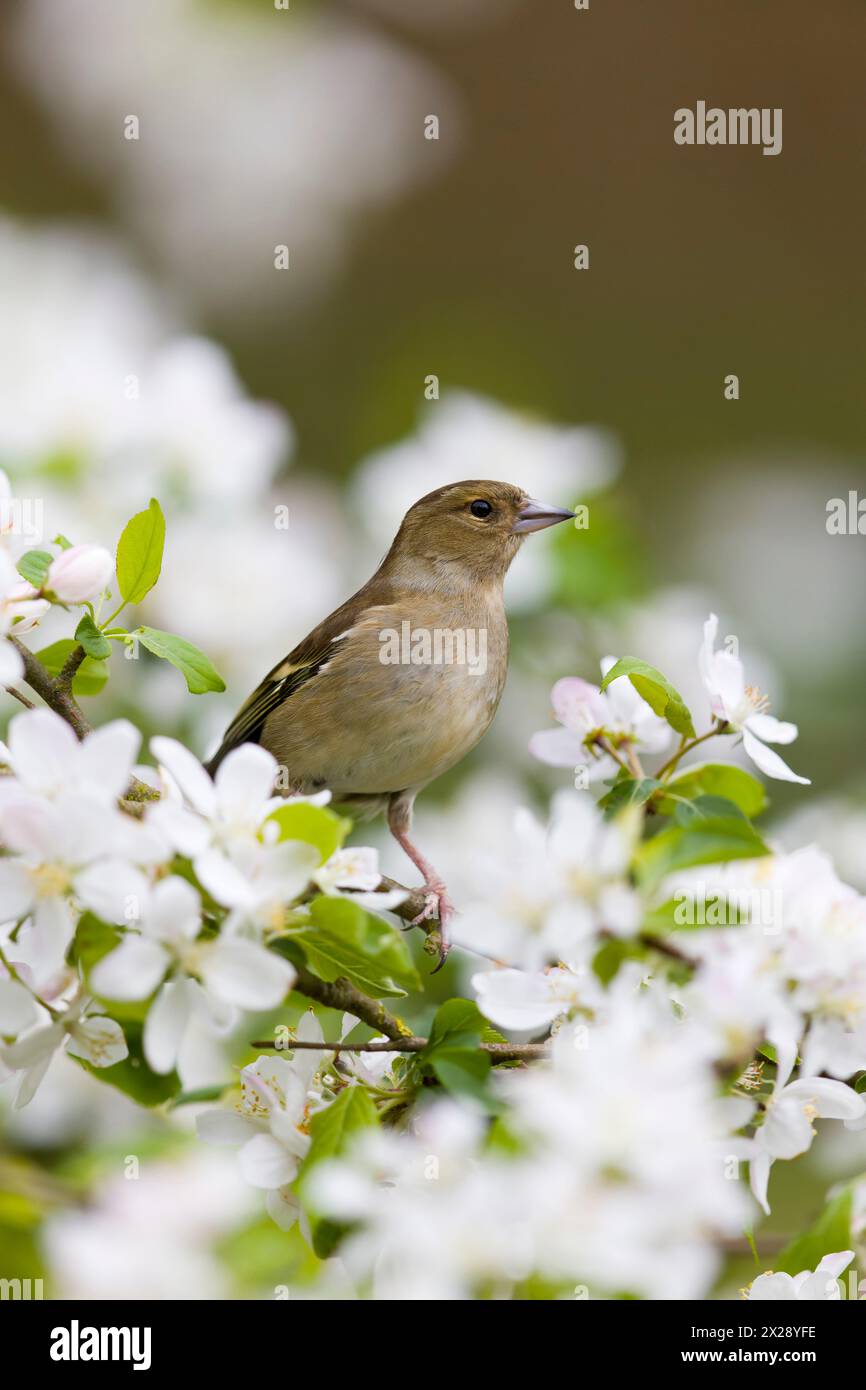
(17, 1007)
(775, 1287)
(99, 1041)
(518, 1000)
(558, 748)
(34, 1047)
(116, 891)
(30, 825)
(282, 1207)
(771, 730)
(226, 1127)
(44, 750)
(165, 1026)
(223, 880)
(245, 781)
(833, 1100)
(187, 771)
(728, 681)
(578, 705)
(769, 762)
(131, 971)
(242, 973)
(760, 1164)
(175, 910)
(16, 890)
(265, 1163)
(705, 655)
(106, 757)
(183, 829)
(11, 665)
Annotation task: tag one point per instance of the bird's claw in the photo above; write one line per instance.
(430, 908)
(437, 905)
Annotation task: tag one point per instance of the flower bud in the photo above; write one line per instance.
(80, 573)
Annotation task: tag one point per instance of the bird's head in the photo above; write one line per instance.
(467, 532)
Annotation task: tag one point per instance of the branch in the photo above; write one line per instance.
(54, 695)
(413, 905)
(500, 1052)
(341, 994)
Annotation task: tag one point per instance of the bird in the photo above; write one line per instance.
(363, 708)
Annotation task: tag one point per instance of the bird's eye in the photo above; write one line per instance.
(480, 508)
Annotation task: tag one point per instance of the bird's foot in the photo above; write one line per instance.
(437, 906)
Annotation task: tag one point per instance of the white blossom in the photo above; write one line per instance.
(270, 1121)
(616, 715)
(743, 708)
(808, 1286)
(208, 979)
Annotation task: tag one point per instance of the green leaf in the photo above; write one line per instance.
(133, 1076)
(611, 955)
(462, 1070)
(716, 911)
(193, 665)
(87, 634)
(314, 825)
(201, 1094)
(34, 566)
(716, 779)
(712, 841)
(705, 808)
(344, 940)
(90, 676)
(830, 1234)
(657, 690)
(628, 791)
(93, 939)
(332, 1131)
(139, 553)
(62, 541)
(455, 1017)
(453, 1048)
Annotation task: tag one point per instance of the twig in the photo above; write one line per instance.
(611, 751)
(65, 677)
(686, 746)
(28, 704)
(658, 943)
(502, 1052)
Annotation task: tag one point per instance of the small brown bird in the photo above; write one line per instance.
(402, 680)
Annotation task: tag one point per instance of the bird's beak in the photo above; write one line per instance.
(534, 516)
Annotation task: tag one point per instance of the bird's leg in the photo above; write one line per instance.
(437, 902)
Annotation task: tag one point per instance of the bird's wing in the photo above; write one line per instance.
(299, 667)
(277, 686)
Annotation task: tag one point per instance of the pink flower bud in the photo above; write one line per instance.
(80, 573)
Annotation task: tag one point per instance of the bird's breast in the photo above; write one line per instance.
(407, 695)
